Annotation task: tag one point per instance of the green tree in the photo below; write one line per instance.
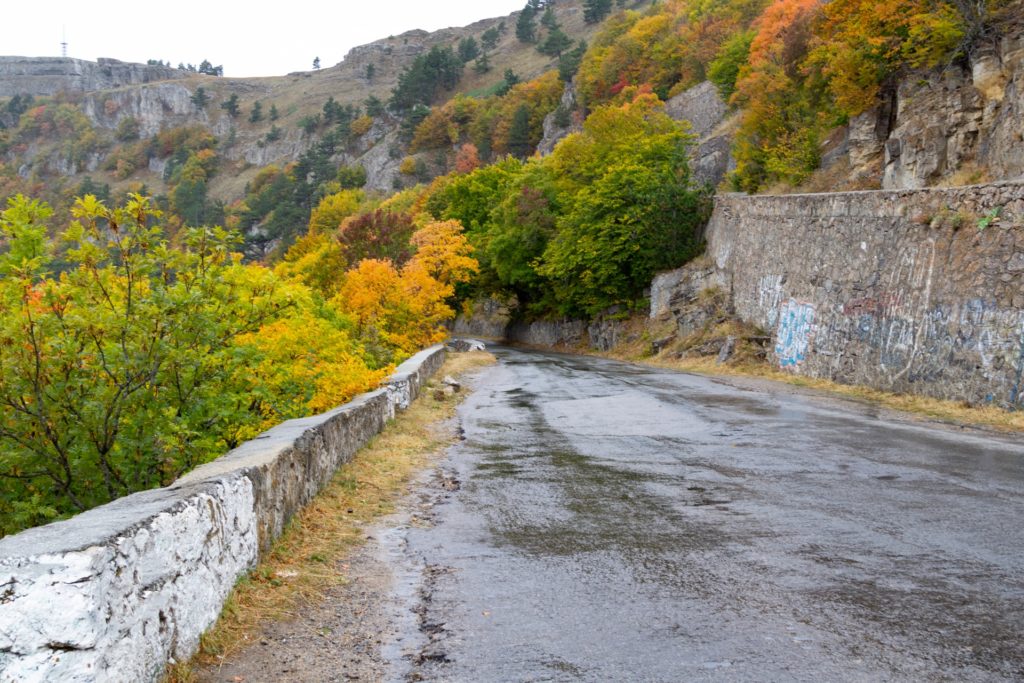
(274, 115)
(526, 25)
(371, 73)
(309, 124)
(490, 38)
(569, 62)
(555, 43)
(519, 133)
(725, 68)
(468, 49)
(483, 64)
(548, 20)
(124, 372)
(205, 67)
(595, 11)
(231, 106)
(374, 107)
(352, 177)
(316, 63)
(629, 207)
(437, 71)
(199, 98)
(256, 115)
(511, 80)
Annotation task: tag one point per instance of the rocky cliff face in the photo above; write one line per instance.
(703, 108)
(556, 130)
(154, 106)
(959, 125)
(44, 76)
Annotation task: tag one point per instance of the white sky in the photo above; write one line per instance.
(246, 38)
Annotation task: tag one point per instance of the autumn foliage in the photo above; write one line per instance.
(142, 360)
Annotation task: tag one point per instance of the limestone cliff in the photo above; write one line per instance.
(962, 124)
(44, 76)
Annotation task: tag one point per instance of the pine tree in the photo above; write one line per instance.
(231, 106)
(569, 62)
(490, 38)
(511, 80)
(596, 10)
(256, 115)
(482, 64)
(374, 107)
(468, 49)
(371, 71)
(200, 98)
(519, 133)
(549, 20)
(526, 28)
(316, 63)
(556, 43)
(274, 115)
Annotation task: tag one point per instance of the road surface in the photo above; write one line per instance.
(601, 521)
(608, 522)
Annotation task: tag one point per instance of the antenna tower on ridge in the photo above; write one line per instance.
(64, 42)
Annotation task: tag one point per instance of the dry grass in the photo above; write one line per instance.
(637, 348)
(306, 561)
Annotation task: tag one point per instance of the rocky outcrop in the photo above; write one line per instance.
(44, 76)
(705, 110)
(153, 106)
(552, 333)
(488, 318)
(381, 164)
(961, 124)
(561, 123)
(701, 105)
(116, 593)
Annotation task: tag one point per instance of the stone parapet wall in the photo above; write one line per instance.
(919, 291)
(116, 593)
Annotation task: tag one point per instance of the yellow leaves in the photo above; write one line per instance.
(444, 252)
(858, 44)
(362, 125)
(316, 260)
(307, 365)
(407, 308)
(408, 166)
(333, 209)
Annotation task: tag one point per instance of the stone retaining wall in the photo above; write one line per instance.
(116, 593)
(919, 291)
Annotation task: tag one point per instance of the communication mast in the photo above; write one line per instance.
(64, 42)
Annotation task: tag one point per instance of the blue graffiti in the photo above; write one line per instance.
(1016, 397)
(793, 338)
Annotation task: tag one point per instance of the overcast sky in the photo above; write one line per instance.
(247, 39)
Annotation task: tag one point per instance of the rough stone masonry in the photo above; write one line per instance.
(913, 290)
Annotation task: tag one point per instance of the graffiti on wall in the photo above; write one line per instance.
(794, 334)
(1016, 396)
(769, 296)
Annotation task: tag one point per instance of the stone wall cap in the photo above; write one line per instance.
(96, 527)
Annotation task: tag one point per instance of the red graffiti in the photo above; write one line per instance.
(872, 305)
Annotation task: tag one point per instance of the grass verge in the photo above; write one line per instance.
(305, 561)
(956, 412)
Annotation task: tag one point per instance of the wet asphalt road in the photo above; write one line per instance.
(608, 522)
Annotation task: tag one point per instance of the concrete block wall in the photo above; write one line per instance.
(919, 291)
(116, 593)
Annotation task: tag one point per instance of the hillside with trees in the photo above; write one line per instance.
(172, 287)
